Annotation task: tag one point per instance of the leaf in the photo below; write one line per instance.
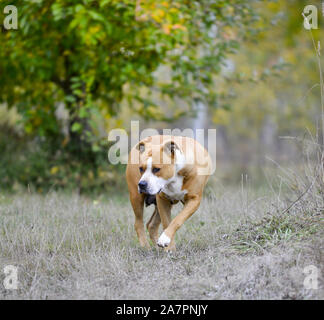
(76, 127)
(54, 170)
(70, 98)
(83, 113)
(96, 16)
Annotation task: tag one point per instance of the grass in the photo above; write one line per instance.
(72, 247)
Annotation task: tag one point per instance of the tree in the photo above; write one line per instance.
(83, 54)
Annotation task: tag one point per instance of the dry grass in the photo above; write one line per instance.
(237, 246)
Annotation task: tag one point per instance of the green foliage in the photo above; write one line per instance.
(273, 229)
(82, 53)
(26, 165)
(90, 55)
(29, 163)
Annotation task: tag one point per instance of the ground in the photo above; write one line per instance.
(236, 246)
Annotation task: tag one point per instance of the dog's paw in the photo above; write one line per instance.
(163, 241)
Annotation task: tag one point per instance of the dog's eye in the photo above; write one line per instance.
(141, 169)
(155, 170)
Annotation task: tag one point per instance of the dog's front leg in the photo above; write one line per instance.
(137, 202)
(164, 207)
(190, 206)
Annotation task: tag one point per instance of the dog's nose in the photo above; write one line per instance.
(142, 185)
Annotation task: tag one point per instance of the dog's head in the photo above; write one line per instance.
(159, 164)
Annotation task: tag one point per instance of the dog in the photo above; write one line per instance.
(163, 170)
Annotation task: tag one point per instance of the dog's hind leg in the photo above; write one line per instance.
(153, 225)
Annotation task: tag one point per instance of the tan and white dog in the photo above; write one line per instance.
(163, 170)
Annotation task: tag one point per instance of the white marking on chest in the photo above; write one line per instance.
(173, 190)
(180, 161)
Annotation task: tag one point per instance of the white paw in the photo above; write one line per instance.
(163, 241)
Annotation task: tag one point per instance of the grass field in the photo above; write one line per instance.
(236, 246)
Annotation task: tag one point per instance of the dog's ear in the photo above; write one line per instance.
(170, 148)
(140, 147)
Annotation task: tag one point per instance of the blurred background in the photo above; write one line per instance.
(73, 70)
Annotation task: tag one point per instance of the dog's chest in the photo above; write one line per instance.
(173, 190)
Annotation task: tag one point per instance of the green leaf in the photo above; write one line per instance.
(76, 127)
